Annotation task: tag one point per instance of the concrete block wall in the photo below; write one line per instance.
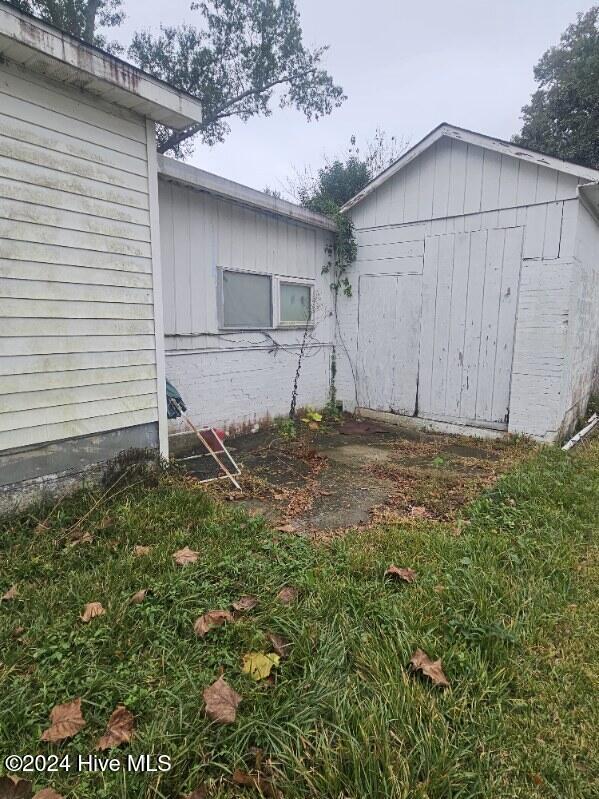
(237, 389)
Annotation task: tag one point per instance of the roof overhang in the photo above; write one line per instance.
(480, 140)
(192, 177)
(43, 48)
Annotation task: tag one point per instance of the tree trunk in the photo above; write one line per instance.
(90, 20)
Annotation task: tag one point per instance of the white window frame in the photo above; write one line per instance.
(275, 300)
(221, 299)
(295, 281)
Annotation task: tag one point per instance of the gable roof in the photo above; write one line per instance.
(200, 180)
(42, 48)
(480, 140)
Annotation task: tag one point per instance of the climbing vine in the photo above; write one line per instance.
(342, 252)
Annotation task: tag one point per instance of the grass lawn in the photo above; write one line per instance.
(508, 601)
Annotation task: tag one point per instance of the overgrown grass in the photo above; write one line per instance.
(510, 606)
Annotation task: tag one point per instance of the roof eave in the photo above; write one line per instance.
(477, 139)
(200, 180)
(44, 49)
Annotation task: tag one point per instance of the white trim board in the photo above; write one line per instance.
(45, 49)
(480, 140)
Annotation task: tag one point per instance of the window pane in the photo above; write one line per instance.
(247, 300)
(295, 303)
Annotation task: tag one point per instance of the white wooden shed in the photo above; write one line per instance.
(476, 288)
(81, 344)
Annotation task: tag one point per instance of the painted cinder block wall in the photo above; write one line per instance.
(238, 379)
(452, 189)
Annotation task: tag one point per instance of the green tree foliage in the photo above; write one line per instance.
(247, 55)
(562, 118)
(80, 18)
(342, 177)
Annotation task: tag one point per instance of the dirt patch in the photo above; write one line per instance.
(356, 474)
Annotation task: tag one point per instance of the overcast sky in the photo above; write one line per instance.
(405, 65)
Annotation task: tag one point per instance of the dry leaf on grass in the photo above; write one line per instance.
(139, 596)
(198, 793)
(48, 793)
(213, 618)
(91, 611)
(221, 702)
(119, 729)
(80, 538)
(12, 593)
(245, 603)
(14, 788)
(185, 556)
(65, 721)
(257, 781)
(287, 595)
(259, 665)
(407, 575)
(139, 550)
(418, 512)
(286, 528)
(420, 661)
(280, 644)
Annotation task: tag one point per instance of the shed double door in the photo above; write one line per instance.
(440, 344)
(469, 300)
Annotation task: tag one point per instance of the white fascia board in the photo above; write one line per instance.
(480, 140)
(191, 176)
(44, 49)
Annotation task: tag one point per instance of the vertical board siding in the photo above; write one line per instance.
(452, 178)
(494, 238)
(77, 345)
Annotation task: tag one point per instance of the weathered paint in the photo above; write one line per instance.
(235, 378)
(78, 332)
(506, 328)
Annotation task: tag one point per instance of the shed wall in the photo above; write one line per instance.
(77, 337)
(233, 379)
(455, 188)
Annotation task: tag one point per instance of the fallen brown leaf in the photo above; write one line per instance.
(119, 729)
(221, 702)
(420, 661)
(257, 781)
(198, 793)
(80, 538)
(213, 618)
(12, 593)
(418, 512)
(287, 595)
(139, 550)
(139, 596)
(280, 644)
(245, 603)
(91, 611)
(47, 793)
(14, 788)
(286, 528)
(65, 721)
(407, 575)
(185, 556)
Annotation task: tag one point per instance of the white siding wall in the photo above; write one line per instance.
(231, 379)
(583, 334)
(458, 188)
(77, 346)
